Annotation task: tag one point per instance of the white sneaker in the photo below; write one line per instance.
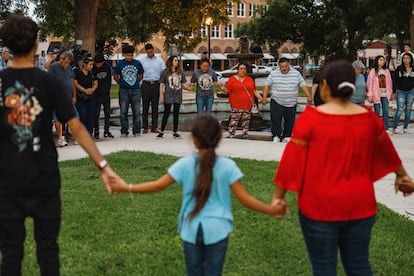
(389, 132)
(405, 131)
(286, 140)
(396, 131)
(276, 139)
(62, 142)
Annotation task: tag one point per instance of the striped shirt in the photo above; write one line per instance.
(284, 87)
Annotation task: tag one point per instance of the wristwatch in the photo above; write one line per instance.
(101, 165)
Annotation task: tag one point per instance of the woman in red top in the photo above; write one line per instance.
(333, 170)
(242, 91)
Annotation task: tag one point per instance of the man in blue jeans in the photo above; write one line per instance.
(283, 84)
(205, 78)
(128, 73)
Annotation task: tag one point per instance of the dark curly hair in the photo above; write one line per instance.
(19, 34)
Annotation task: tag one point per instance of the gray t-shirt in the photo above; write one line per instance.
(173, 87)
(204, 81)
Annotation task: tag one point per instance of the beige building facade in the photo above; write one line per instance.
(222, 41)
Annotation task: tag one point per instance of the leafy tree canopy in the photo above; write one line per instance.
(333, 28)
(178, 20)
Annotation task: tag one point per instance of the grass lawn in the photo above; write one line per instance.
(137, 235)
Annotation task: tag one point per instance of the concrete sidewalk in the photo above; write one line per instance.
(250, 149)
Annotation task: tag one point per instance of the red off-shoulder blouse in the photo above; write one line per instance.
(332, 162)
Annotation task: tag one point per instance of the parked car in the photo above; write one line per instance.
(272, 65)
(219, 76)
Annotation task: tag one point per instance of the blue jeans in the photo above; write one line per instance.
(86, 110)
(204, 104)
(384, 107)
(405, 101)
(277, 114)
(205, 260)
(323, 238)
(130, 97)
(45, 209)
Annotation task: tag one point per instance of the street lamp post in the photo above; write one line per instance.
(209, 22)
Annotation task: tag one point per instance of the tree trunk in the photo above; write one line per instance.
(412, 23)
(85, 32)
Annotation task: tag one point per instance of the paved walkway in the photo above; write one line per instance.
(251, 149)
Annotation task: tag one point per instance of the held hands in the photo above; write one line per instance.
(404, 184)
(112, 182)
(280, 207)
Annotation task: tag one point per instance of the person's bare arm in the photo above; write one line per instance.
(116, 78)
(147, 187)
(265, 92)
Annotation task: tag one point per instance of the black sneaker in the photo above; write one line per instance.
(108, 135)
(176, 135)
(96, 135)
(160, 135)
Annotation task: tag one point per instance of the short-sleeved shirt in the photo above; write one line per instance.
(129, 73)
(86, 81)
(66, 75)
(204, 82)
(153, 68)
(173, 86)
(241, 93)
(215, 217)
(104, 76)
(284, 87)
(28, 157)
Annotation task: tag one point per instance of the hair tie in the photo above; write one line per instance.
(346, 84)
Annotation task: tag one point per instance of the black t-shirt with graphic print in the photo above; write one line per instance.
(28, 157)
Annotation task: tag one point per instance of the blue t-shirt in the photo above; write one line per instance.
(215, 217)
(129, 72)
(66, 75)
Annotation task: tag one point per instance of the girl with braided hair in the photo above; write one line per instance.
(205, 220)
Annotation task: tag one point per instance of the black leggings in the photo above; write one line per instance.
(167, 110)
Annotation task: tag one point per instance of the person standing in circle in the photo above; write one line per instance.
(30, 181)
(360, 86)
(153, 66)
(242, 92)
(404, 81)
(103, 72)
(86, 84)
(207, 182)
(379, 87)
(171, 93)
(337, 205)
(205, 78)
(128, 73)
(283, 84)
